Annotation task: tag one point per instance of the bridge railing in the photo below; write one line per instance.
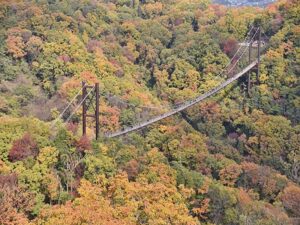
(184, 105)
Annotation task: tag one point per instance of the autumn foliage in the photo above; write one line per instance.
(15, 202)
(290, 199)
(83, 144)
(23, 148)
(232, 159)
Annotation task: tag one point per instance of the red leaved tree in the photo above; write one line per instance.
(291, 199)
(229, 46)
(23, 148)
(83, 144)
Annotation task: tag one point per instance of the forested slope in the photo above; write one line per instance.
(233, 159)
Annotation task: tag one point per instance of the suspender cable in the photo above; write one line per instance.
(74, 111)
(232, 58)
(62, 113)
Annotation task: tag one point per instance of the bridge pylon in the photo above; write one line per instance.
(257, 41)
(87, 102)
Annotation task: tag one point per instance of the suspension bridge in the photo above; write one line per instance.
(87, 97)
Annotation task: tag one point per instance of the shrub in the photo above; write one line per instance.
(23, 148)
(83, 144)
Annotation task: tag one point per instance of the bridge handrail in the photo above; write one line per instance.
(184, 105)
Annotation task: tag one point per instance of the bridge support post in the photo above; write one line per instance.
(258, 54)
(84, 108)
(249, 73)
(257, 38)
(97, 110)
(93, 100)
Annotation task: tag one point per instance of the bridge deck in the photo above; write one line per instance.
(184, 105)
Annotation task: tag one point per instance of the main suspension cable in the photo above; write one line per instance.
(130, 104)
(74, 111)
(243, 52)
(65, 109)
(232, 58)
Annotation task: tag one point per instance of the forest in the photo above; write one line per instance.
(233, 159)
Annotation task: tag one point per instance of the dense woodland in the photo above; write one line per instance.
(232, 159)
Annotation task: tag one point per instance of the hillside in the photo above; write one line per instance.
(239, 3)
(231, 159)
